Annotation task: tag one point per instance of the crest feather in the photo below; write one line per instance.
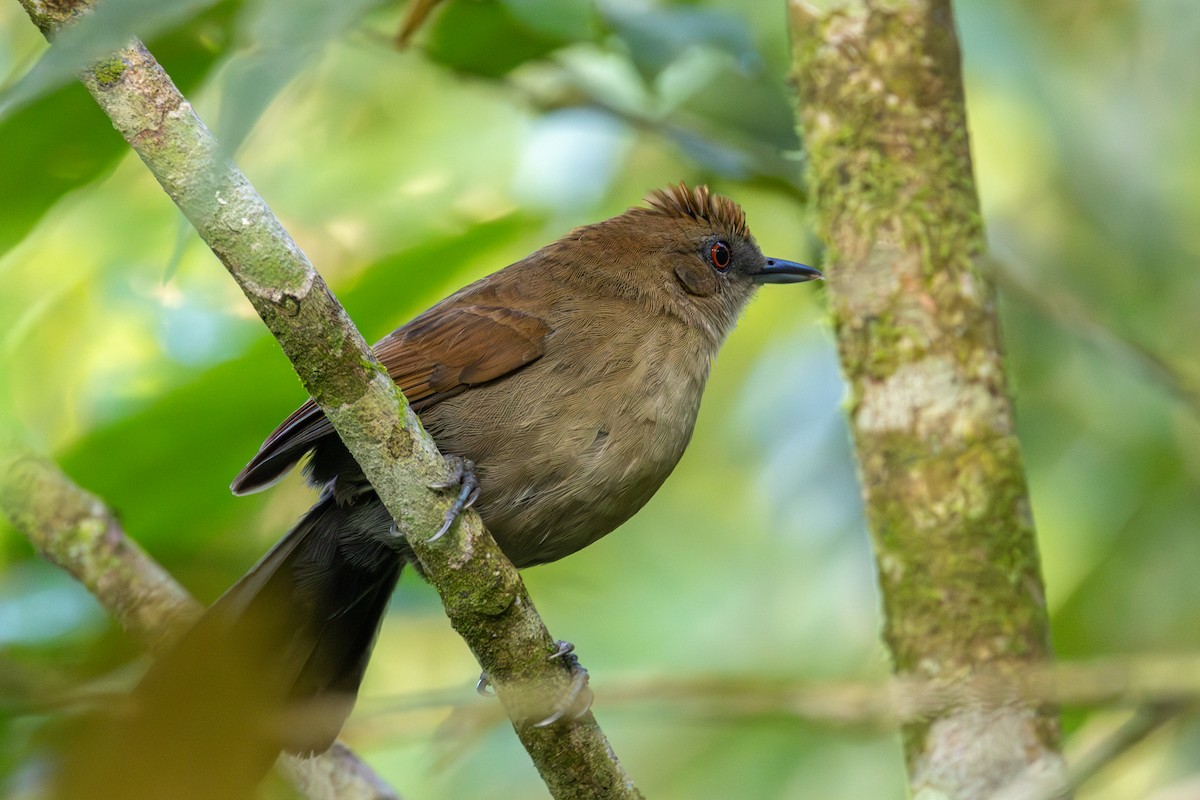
(699, 204)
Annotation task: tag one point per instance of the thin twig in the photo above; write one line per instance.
(559, 87)
(1071, 314)
(1145, 682)
(1144, 722)
(415, 15)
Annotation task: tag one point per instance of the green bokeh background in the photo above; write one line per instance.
(128, 354)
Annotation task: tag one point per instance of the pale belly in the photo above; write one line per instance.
(561, 462)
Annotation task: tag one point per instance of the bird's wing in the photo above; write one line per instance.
(439, 354)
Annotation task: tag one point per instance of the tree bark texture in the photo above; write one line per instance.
(482, 593)
(882, 113)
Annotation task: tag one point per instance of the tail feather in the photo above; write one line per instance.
(309, 612)
(274, 664)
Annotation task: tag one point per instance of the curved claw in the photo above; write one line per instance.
(462, 474)
(578, 698)
(562, 648)
(484, 687)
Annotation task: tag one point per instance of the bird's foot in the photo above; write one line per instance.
(462, 475)
(578, 698)
(573, 704)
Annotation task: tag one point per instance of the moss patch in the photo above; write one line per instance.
(109, 71)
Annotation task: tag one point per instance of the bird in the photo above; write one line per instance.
(568, 383)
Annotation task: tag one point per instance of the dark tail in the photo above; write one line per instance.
(273, 665)
(308, 613)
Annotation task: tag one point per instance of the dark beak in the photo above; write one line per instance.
(776, 270)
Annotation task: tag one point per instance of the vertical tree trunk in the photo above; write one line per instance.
(884, 123)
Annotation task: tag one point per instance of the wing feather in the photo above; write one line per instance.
(441, 353)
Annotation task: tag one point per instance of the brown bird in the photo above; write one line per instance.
(571, 379)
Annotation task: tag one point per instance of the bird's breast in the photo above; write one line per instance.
(573, 445)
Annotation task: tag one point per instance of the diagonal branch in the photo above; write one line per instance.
(484, 597)
(74, 530)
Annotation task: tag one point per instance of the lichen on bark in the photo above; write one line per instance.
(883, 118)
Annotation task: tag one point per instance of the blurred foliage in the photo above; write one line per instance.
(50, 125)
(129, 355)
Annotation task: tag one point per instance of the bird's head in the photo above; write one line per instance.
(688, 252)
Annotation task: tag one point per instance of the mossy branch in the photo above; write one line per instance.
(484, 597)
(73, 529)
(884, 123)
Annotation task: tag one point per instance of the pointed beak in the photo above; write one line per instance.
(776, 270)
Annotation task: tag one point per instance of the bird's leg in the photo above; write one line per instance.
(484, 687)
(578, 697)
(462, 475)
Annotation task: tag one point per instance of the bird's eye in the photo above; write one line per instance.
(720, 256)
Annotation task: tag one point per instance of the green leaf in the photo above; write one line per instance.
(658, 38)
(61, 141)
(756, 109)
(92, 37)
(485, 37)
(562, 20)
(279, 38)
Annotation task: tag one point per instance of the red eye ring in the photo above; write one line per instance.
(720, 256)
